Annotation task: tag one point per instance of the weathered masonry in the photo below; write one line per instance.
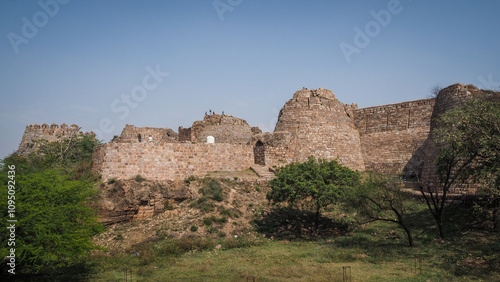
(394, 139)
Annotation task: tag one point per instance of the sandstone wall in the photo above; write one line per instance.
(277, 147)
(320, 126)
(169, 161)
(184, 134)
(131, 134)
(224, 128)
(52, 133)
(448, 98)
(391, 134)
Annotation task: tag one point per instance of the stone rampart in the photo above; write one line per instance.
(391, 134)
(448, 98)
(169, 161)
(184, 134)
(320, 126)
(52, 133)
(274, 148)
(134, 134)
(224, 128)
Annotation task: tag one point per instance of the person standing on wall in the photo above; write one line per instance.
(150, 139)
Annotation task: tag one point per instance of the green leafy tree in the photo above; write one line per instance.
(65, 152)
(469, 137)
(381, 198)
(312, 185)
(471, 152)
(54, 225)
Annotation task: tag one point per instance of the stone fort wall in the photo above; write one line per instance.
(161, 161)
(224, 128)
(321, 126)
(52, 133)
(391, 134)
(131, 134)
(391, 139)
(448, 98)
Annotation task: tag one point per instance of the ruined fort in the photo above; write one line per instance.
(36, 132)
(394, 139)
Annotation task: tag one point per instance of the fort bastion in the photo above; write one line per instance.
(393, 139)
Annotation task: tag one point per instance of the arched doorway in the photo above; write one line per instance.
(259, 153)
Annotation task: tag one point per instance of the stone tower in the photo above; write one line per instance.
(447, 99)
(321, 126)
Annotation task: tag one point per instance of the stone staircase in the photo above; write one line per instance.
(263, 171)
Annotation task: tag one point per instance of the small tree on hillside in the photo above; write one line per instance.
(381, 198)
(312, 185)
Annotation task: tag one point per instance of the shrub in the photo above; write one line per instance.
(203, 204)
(211, 229)
(210, 191)
(190, 179)
(194, 228)
(168, 206)
(213, 190)
(208, 220)
(223, 211)
(221, 220)
(139, 178)
(190, 243)
(111, 181)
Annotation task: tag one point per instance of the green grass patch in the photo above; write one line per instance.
(374, 252)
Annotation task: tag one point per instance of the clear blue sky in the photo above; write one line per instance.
(73, 62)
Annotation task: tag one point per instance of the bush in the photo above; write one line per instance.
(194, 228)
(189, 180)
(228, 213)
(257, 188)
(211, 230)
(112, 180)
(221, 220)
(139, 178)
(210, 191)
(203, 204)
(211, 219)
(168, 206)
(213, 190)
(207, 221)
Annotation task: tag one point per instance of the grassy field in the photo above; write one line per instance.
(376, 252)
(275, 250)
